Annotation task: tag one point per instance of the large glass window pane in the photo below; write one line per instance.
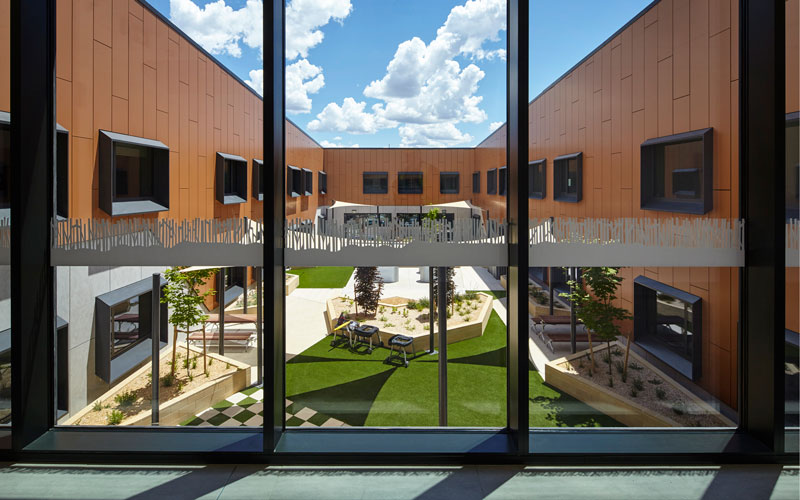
(134, 172)
(409, 183)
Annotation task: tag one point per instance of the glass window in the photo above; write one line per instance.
(308, 181)
(476, 182)
(133, 176)
(376, 182)
(5, 166)
(567, 181)
(502, 181)
(231, 179)
(258, 179)
(676, 173)
(793, 166)
(323, 183)
(62, 172)
(448, 183)
(294, 181)
(537, 180)
(409, 182)
(491, 181)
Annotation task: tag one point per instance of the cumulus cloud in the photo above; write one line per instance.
(329, 144)
(302, 78)
(303, 20)
(494, 126)
(219, 28)
(256, 80)
(424, 88)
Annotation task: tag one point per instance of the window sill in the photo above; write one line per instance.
(675, 206)
(232, 199)
(536, 196)
(567, 198)
(136, 207)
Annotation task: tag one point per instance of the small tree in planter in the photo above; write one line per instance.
(451, 287)
(182, 295)
(593, 300)
(368, 287)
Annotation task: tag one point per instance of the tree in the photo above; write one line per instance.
(182, 295)
(368, 287)
(451, 287)
(593, 300)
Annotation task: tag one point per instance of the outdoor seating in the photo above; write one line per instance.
(235, 337)
(362, 333)
(342, 327)
(402, 342)
(552, 337)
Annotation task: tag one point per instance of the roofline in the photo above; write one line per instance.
(301, 130)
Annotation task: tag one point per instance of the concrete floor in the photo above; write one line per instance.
(463, 483)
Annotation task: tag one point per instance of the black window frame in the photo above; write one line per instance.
(491, 181)
(651, 147)
(62, 367)
(382, 177)
(560, 171)
(294, 181)
(476, 183)
(792, 178)
(322, 180)
(308, 182)
(537, 168)
(402, 188)
(258, 179)
(502, 181)
(443, 177)
(237, 166)
(158, 202)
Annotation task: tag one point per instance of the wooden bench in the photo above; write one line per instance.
(549, 338)
(237, 336)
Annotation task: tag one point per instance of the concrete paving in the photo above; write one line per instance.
(728, 482)
(410, 286)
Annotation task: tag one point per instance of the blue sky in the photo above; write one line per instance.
(375, 73)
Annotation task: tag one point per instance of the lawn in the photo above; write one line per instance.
(322, 277)
(360, 389)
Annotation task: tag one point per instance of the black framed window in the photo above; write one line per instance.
(134, 174)
(323, 182)
(568, 178)
(537, 179)
(476, 182)
(308, 182)
(448, 182)
(502, 181)
(793, 165)
(294, 181)
(258, 180)
(5, 162)
(62, 366)
(409, 182)
(677, 172)
(491, 181)
(375, 182)
(231, 179)
(668, 323)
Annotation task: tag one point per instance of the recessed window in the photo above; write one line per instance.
(124, 327)
(491, 181)
(793, 166)
(537, 179)
(568, 178)
(258, 180)
(409, 182)
(308, 182)
(323, 182)
(5, 161)
(134, 174)
(668, 323)
(231, 179)
(476, 182)
(448, 182)
(677, 173)
(294, 181)
(502, 180)
(375, 182)
(62, 366)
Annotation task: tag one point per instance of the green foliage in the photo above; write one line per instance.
(183, 297)
(167, 380)
(368, 288)
(115, 417)
(655, 381)
(194, 363)
(97, 406)
(538, 295)
(638, 384)
(125, 398)
(634, 392)
(594, 298)
(661, 393)
(423, 303)
(619, 366)
(633, 365)
(679, 408)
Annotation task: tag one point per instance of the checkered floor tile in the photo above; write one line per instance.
(246, 408)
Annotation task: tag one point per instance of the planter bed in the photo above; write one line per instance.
(390, 320)
(178, 401)
(676, 406)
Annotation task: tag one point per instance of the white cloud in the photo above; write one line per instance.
(219, 28)
(256, 80)
(329, 144)
(494, 126)
(350, 117)
(424, 88)
(302, 78)
(303, 20)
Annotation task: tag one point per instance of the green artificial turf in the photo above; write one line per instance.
(359, 389)
(322, 277)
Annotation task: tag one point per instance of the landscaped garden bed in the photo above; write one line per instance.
(399, 315)
(539, 303)
(644, 397)
(180, 397)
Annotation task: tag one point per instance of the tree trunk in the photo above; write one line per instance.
(627, 351)
(591, 349)
(174, 347)
(205, 366)
(608, 353)
(188, 366)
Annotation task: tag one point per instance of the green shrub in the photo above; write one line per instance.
(125, 398)
(194, 363)
(638, 384)
(635, 366)
(97, 406)
(115, 417)
(412, 304)
(168, 379)
(679, 408)
(661, 393)
(423, 303)
(210, 360)
(634, 393)
(619, 366)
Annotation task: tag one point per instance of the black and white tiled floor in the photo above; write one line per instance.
(246, 408)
